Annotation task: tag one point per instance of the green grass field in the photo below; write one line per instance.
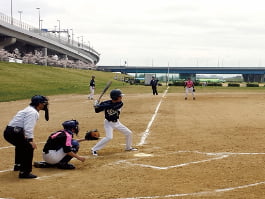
(22, 81)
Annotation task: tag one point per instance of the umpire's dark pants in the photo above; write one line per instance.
(154, 90)
(23, 149)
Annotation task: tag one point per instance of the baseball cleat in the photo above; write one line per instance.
(131, 149)
(94, 153)
(26, 175)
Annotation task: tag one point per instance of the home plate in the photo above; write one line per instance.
(143, 155)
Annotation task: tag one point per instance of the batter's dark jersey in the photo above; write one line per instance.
(112, 110)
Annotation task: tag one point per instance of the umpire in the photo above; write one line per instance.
(20, 133)
(154, 83)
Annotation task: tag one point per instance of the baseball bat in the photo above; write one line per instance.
(104, 90)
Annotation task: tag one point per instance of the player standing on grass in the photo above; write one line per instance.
(92, 85)
(112, 110)
(189, 87)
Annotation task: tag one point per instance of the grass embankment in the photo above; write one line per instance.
(22, 81)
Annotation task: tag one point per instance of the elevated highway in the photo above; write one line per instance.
(250, 74)
(14, 32)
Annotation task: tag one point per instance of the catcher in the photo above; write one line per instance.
(60, 147)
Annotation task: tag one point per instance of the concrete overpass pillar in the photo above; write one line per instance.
(44, 52)
(65, 61)
(7, 41)
(253, 78)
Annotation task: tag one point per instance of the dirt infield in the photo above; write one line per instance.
(212, 147)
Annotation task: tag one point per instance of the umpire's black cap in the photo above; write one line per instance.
(37, 99)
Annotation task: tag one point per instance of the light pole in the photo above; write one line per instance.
(78, 42)
(20, 12)
(39, 18)
(82, 41)
(72, 36)
(11, 12)
(41, 22)
(59, 28)
(88, 45)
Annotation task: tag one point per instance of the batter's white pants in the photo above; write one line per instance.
(109, 127)
(189, 90)
(92, 91)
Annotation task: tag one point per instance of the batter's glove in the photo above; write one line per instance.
(96, 103)
(92, 135)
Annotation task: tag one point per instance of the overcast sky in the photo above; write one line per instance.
(158, 32)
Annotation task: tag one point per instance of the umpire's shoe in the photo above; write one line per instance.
(26, 175)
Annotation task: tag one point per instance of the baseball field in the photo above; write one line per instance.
(211, 147)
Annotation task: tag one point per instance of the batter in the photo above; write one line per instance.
(112, 110)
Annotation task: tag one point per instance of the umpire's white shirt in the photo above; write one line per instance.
(26, 119)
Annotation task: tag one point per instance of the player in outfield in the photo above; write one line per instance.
(112, 109)
(92, 86)
(189, 88)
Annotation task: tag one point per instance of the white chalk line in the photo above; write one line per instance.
(45, 177)
(218, 156)
(202, 192)
(147, 131)
(6, 147)
(11, 146)
(2, 171)
(6, 198)
(178, 165)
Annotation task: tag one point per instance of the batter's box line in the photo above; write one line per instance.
(200, 193)
(219, 156)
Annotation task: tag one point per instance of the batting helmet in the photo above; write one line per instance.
(37, 99)
(114, 94)
(70, 125)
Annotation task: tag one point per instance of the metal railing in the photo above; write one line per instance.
(62, 39)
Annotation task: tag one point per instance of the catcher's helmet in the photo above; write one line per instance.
(114, 94)
(36, 99)
(71, 124)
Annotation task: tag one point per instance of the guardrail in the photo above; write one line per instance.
(62, 39)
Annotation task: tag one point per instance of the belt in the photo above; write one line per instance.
(113, 121)
(16, 129)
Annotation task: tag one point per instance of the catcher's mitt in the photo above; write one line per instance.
(92, 135)
(193, 89)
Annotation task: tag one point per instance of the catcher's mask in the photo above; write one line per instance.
(114, 94)
(70, 125)
(39, 99)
